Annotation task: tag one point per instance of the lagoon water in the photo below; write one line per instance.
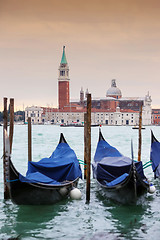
(74, 219)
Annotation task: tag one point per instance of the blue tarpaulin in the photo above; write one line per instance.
(105, 150)
(155, 157)
(109, 164)
(61, 166)
(117, 180)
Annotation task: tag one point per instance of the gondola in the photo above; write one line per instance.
(155, 156)
(119, 178)
(47, 181)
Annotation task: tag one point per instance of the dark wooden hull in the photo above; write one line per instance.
(127, 191)
(23, 193)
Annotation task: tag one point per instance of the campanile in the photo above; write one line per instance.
(63, 82)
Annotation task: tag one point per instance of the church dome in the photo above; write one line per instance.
(113, 90)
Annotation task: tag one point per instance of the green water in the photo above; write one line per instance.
(102, 218)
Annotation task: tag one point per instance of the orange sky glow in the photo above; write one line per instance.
(104, 39)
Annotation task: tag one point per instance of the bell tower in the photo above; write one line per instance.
(63, 82)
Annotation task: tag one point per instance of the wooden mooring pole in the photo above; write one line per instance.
(29, 140)
(88, 147)
(11, 127)
(5, 122)
(85, 145)
(140, 134)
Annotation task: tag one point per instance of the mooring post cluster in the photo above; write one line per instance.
(11, 128)
(5, 124)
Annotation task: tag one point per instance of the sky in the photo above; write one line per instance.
(104, 39)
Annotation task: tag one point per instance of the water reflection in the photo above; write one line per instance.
(127, 219)
(25, 221)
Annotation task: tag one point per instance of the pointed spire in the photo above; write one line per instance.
(64, 60)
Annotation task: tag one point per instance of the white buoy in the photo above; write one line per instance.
(63, 191)
(152, 188)
(75, 194)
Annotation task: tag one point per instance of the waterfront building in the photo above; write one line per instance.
(35, 113)
(113, 109)
(156, 116)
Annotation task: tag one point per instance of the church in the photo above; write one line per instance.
(113, 109)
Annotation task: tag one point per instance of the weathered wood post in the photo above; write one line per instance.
(88, 148)
(5, 122)
(140, 134)
(11, 123)
(29, 140)
(85, 145)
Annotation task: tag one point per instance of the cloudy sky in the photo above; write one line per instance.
(104, 39)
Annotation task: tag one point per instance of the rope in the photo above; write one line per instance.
(81, 162)
(147, 166)
(146, 163)
(14, 180)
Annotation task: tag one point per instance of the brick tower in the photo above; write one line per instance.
(63, 82)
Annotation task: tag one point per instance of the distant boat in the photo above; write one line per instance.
(119, 178)
(77, 125)
(47, 181)
(137, 127)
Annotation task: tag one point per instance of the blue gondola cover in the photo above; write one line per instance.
(109, 164)
(61, 166)
(155, 157)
